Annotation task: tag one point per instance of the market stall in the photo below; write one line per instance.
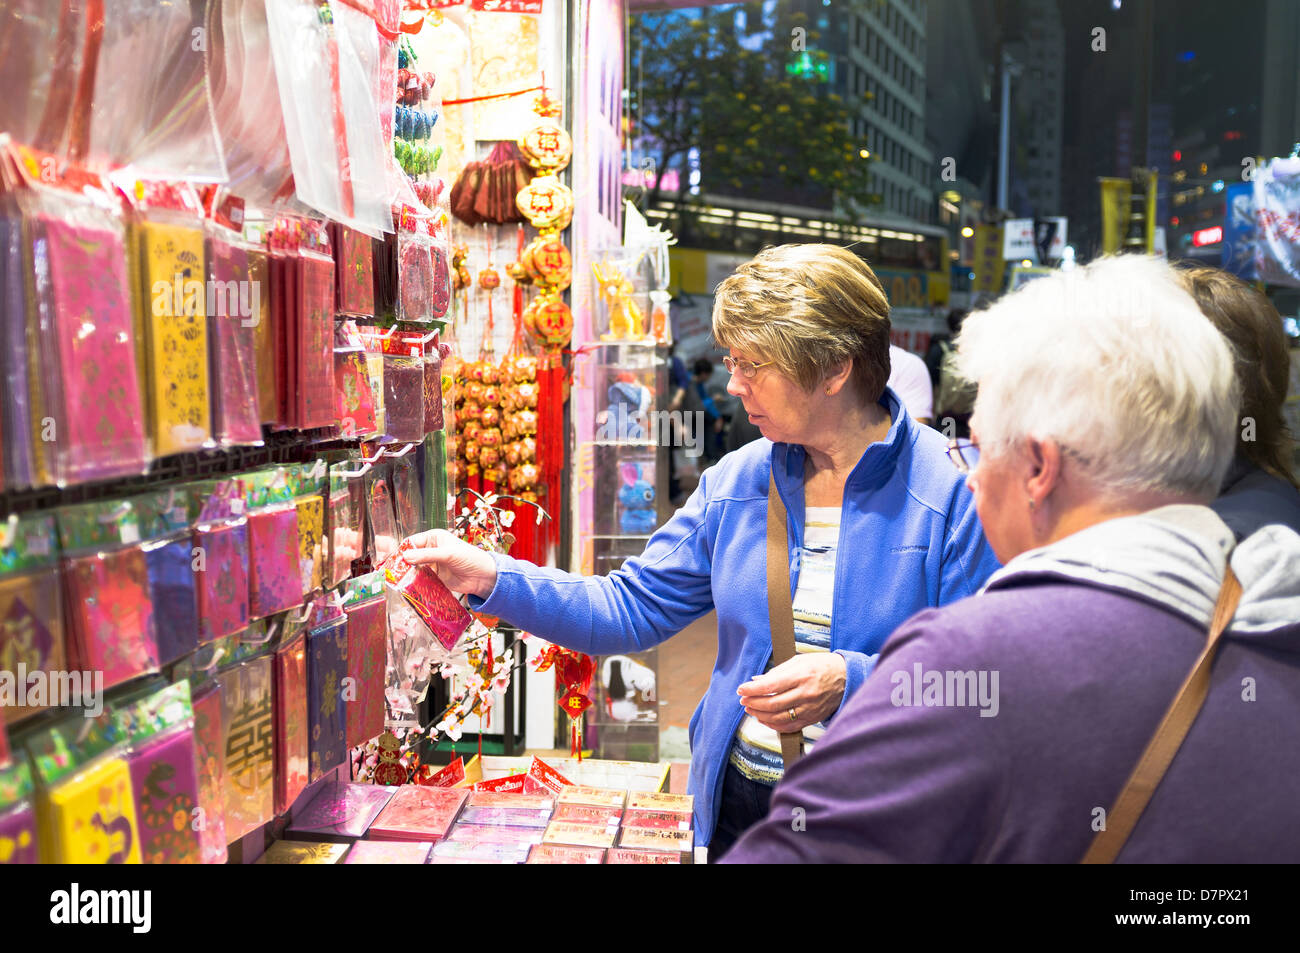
(285, 282)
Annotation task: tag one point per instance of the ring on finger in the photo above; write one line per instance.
(793, 716)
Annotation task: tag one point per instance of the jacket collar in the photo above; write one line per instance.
(873, 469)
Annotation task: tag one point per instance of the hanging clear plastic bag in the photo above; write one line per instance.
(247, 103)
(330, 116)
(151, 109)
(41, 47)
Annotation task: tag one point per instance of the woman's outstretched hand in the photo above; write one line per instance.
(460, 566)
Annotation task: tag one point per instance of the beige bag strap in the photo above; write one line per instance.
(1164, 744)
(780, 610)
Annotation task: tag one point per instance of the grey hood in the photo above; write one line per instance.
(1175, 556)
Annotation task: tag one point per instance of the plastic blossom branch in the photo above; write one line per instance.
(486, 525)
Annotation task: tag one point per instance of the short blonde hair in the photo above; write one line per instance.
(1114, 361)
(808, 308)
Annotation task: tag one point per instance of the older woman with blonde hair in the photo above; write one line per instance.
(812, 544)
(1127, 686)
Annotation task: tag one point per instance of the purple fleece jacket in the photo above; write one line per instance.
(1090, 640)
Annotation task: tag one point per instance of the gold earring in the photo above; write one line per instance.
(1031, 502)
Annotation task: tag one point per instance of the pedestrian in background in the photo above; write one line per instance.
(1261, 486)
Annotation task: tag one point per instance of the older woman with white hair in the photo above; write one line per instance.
(1129, 644)
(813, 544)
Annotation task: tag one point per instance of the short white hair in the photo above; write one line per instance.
(1114, 361)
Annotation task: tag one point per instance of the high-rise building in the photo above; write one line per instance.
(1038, 106)
(879, 56)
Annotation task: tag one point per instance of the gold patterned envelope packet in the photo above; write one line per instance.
(174, 316)
(303, 852)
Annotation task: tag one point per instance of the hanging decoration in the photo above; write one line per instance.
(548, 206)
(573, 675)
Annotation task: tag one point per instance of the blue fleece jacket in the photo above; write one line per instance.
(909, 539)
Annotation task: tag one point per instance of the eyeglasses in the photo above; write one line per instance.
(964, 454)
(747, 369)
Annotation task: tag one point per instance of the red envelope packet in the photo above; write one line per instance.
(418, 813)
(556, 854)
(211, 763)
(431, 600)
(110, 614)
(545, 778)
(510, 784)
(367, 645)
(290, 707)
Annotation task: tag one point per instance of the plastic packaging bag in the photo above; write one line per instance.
(232, 330)
(248, 114)
(372, 340)
(86, 388)
(354, 272)
(259, 276)
(404, 397)
(331, 119)
(85, 798)
(31, 602)
(41, 45)
(210, 758)
(291, 730)
(111, 625)
(163, 775)
(248, 723)
(18, 843)
(327, 665)
(384, 535)
(168, 239)
(15, 412)
(363, 602)
(315, 363)
(221, 538)
(275, 574)
(415, 276)
(354, 401)
(309, 502)
(170, 561)
(343, 525)
(407, 501)
(151, 109)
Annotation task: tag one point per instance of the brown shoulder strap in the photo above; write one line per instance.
(780, 610)
(1164, 744)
